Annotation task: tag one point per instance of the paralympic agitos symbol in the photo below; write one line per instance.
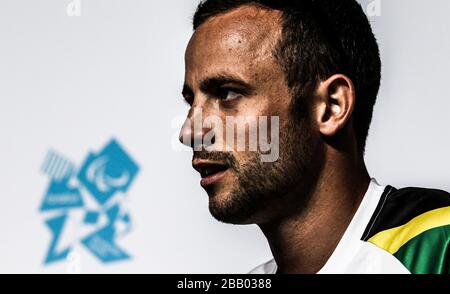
(86, 206)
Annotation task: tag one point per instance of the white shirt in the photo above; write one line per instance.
(352, 255)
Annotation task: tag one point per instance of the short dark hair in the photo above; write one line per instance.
(320, 38)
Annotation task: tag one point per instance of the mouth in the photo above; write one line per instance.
(211, 172)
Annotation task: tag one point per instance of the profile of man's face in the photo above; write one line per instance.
(231, 71)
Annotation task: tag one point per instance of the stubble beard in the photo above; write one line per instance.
(265, 190)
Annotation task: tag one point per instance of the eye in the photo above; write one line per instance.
(228, 95)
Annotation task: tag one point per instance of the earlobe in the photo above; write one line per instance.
(336, 104)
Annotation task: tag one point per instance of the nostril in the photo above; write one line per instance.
(209, 137)
(197, 143)
(196, 138)
(186, 138)
(186, 133)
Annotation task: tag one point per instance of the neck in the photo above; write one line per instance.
(302, 242)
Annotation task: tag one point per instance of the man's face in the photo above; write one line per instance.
(231, 72)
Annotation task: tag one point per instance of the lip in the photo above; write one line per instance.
(212, 179)
(200, 166)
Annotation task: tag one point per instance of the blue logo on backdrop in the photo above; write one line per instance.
(87, 206)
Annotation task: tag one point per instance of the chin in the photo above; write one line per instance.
(219, 201)
(227, 208)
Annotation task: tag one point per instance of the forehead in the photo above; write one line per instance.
(238, 40)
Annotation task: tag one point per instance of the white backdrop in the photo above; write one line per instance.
(71, 84)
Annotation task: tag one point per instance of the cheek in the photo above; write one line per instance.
(255, 106)
(252, 115)
(241, 121)
(280, 106)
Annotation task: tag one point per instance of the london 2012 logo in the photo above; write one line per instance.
(86, 206)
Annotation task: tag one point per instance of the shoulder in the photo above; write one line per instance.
(413, 224)
(269, 267)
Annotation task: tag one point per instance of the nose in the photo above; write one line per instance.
(194, 134)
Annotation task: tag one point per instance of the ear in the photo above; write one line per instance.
(335, 104)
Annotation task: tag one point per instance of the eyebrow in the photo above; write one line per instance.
(210, 84)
